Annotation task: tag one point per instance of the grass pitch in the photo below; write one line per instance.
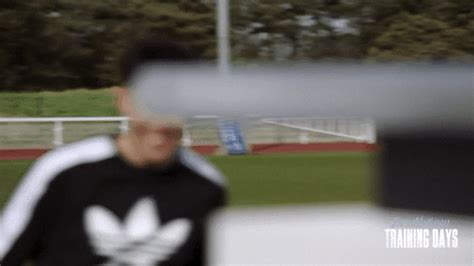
(252, 179)
(268, 179)
(78, 102)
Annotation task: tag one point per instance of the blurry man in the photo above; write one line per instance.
(132, 199)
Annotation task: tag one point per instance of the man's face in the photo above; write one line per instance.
(154, 141)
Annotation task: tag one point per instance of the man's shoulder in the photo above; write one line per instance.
(201, 166)
(88, 150)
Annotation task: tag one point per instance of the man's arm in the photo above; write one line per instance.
(199, 252)
(33, 206)
(27, 214)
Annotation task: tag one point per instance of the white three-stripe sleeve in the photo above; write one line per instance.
(201, 166)
(19, 210)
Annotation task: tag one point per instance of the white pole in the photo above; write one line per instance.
(371, 131)
(123, 126)
(187, 141)
(222, 16)
(58, 133)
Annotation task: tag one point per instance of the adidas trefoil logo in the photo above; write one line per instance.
(140, 239)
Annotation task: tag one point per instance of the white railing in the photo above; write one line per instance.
(351, 128)
(200, 130)
(58, 128)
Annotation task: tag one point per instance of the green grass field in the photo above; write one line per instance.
(269, 179)
(252, 180)
(79, 102)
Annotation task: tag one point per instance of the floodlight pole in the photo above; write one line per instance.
(223, 35)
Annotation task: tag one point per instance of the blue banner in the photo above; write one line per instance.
(231, 136)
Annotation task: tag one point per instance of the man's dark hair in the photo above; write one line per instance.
(152, 50)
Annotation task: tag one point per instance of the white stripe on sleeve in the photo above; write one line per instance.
(19, 210)
(196, 163)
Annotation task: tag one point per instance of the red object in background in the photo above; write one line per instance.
(30, 154)
(21, 154)
(312, 147)
(205, 149)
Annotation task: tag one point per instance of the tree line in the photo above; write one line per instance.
(59, 44)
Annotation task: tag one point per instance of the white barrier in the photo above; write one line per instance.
(337, 234)
(58, 128)
(26, 132)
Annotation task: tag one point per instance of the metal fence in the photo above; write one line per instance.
(200, 130)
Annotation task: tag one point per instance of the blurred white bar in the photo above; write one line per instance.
(396, 96)
(331, 234)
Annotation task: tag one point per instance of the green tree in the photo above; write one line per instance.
(77, 43)
(57, 44)
(414, 37)
(416, 29)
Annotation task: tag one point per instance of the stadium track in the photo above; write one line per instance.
(29, 154)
